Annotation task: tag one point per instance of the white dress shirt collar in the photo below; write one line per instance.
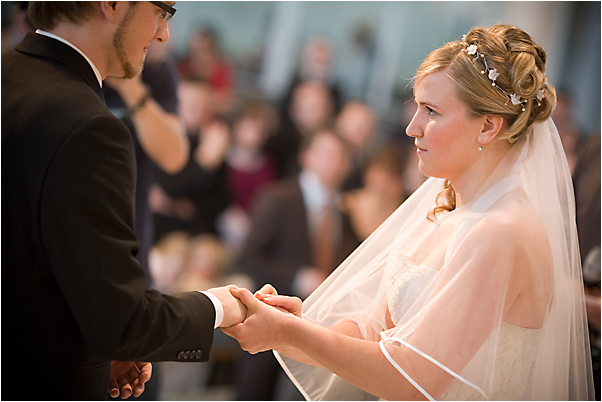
(315, 195)
(66, 42)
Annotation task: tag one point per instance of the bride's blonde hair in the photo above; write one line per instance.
(521, 67)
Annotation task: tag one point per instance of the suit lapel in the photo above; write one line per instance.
(43, 46)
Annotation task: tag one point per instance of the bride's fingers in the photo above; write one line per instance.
(291, 304)
(267, 289)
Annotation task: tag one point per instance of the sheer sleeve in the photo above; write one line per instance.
(460, 313)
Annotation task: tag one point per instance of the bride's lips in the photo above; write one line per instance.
(419, 150)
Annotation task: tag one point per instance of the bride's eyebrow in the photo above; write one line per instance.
(426, 103)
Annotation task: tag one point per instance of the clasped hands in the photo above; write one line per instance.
(267, 315)
(253, 320)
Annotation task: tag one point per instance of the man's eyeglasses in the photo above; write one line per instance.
(166, 11)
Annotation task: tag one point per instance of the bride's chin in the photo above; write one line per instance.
(428, 172)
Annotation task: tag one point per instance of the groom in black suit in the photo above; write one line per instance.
(74, 297)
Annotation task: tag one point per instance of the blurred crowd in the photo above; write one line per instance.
(282, 192)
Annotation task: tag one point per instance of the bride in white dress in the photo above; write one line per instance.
(472, 288)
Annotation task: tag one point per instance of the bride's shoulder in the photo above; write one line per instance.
(515, 222)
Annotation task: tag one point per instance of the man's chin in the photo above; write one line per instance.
(131, 72)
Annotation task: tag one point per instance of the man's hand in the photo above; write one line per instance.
(234, 311)
(130, 90)
(264, 327)
(128, 378)
(214, 146)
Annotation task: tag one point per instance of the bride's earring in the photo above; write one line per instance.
(480, 148)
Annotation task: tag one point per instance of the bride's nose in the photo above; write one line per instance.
(413, 129)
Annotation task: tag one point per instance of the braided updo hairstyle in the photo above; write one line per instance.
(521, 67)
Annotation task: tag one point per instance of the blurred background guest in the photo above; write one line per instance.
(570, 134)
(356, 123)
(317, 64)
(587, 182)
(298, 235)
(383, 191)
(204, 62)
(207, 265)
(167, 259)
(204, 263)
(311, 108)
(249, 167)
(192, 199)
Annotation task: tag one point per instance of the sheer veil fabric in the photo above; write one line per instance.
(451, 289)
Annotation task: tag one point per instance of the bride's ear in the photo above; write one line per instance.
(492, 125)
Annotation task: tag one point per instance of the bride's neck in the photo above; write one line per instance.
(469, 183)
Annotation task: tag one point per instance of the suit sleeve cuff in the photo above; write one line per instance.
(219, 309)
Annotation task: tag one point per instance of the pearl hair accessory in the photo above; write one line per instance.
(492, 74)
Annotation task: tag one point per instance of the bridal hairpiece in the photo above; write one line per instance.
(492, 74)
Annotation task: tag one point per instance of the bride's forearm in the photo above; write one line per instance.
(357, 361)
(297, 355)
(348, 328)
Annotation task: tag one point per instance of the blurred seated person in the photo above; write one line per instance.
(205, 62)
(316, 64)
(586, 181)
(356, 124)
(167, 259)
(298, 236)
(591, 282)
(587, 187)
(382, 193)
(207, 263)
(249, 167)
(570, 134)
(311, 108)
(191, 199)
(289, 217)
(412, 176)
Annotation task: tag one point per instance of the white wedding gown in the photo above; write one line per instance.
(515, 352)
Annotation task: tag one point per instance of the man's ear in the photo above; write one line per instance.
(112, 9)
(491, 127)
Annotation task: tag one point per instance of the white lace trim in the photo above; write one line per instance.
(409, 281)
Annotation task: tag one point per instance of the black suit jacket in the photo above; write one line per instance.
(279, 242)
(73, 294)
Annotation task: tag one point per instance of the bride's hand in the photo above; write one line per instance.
(267, 289)
(287, 304)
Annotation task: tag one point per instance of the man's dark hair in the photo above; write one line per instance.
(47, 14)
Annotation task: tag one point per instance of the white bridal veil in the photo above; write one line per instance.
(453, 278)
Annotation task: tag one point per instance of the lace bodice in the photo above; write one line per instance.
(409, 281)
(515, 352)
